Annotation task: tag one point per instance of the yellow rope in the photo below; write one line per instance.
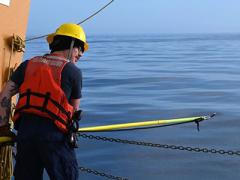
(6, 166)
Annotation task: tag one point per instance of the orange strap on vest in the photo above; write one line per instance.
(41, 92)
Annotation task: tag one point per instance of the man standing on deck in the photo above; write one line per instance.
(49, 90)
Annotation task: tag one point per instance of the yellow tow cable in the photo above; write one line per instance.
(132, 125)
(145, 124)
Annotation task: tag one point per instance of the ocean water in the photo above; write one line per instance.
(129, 78)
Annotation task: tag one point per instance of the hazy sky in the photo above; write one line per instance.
(137, 16)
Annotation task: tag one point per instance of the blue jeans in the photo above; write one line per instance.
(57, 158)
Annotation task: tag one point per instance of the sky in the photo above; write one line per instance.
(137, 16)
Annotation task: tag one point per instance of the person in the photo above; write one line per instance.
(49, 88)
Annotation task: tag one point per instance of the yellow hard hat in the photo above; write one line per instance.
(71, 30)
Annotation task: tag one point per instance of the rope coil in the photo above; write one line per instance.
(18, 44)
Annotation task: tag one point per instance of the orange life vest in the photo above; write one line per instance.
(41, 92)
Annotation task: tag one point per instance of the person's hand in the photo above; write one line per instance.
(77, 115)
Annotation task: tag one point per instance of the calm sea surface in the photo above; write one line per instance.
(147, 77)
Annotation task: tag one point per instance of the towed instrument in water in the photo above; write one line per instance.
(146, 124)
